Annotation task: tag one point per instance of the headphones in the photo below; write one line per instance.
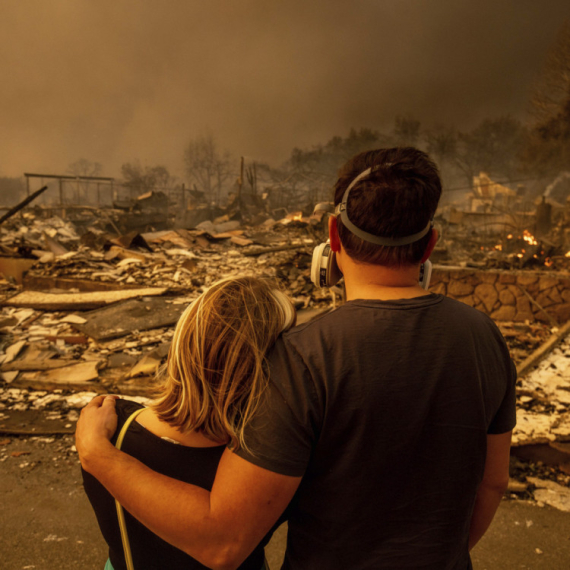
(324, 268)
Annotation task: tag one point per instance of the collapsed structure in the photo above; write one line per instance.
(89, 296)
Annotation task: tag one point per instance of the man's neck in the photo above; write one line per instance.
(364, 281)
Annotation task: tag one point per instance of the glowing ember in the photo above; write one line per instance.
(548, 262)
(567, 254)
(529, 238)
(519, 255)
(499, 247)
(510, 236)
(298, 217)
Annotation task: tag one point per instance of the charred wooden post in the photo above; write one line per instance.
(543, 217)
(22, 204)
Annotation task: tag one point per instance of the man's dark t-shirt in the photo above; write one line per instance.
(384, 407)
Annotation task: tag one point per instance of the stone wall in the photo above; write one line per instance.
(507, 295)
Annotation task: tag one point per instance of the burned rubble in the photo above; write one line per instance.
(89, 299)
(78, 306)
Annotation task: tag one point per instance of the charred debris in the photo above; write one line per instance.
(111, 276)
(90, 294)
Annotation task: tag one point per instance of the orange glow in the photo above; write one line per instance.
(548, 262)
(499, 247)
(529, 238)
(519, 255)
(567, 254)
(510, 236)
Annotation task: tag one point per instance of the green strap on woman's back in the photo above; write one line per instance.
(120, 514)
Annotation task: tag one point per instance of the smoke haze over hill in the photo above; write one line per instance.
(113, 81)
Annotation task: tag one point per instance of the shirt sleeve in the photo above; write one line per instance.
(283, 431)
(506, 417)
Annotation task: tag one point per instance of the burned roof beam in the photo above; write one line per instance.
(69, 177)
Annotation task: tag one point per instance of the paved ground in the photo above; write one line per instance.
(46, 522)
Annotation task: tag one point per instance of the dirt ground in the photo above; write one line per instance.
(46, 522)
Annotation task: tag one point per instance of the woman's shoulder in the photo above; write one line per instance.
(124, 409)
(124, 406)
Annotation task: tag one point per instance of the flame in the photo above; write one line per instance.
(519, 255)
(297, 217)
(499, 247)
(529, 238)
(548, 262)
(567, 254)
(510, 236)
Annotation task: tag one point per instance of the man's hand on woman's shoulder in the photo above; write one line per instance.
(96, 426)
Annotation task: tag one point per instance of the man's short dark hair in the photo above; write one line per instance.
(397, 199)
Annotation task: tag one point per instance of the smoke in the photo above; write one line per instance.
(116, 80)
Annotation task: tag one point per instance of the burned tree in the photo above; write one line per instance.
(547, 148)
(207, 166)
(141, 179)
(493, 147)
(406, 131)
(442, 142)
(84, 167)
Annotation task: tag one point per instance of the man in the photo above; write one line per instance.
(386, 424)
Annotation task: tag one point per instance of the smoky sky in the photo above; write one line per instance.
(114, 81)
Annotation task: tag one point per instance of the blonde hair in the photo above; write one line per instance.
(215, 373)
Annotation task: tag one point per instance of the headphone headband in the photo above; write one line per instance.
(341, 210)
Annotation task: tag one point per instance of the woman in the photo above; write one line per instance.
(213, 380)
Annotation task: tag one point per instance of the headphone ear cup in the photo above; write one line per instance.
(324, 268)
(425, 274)
(316, 264)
